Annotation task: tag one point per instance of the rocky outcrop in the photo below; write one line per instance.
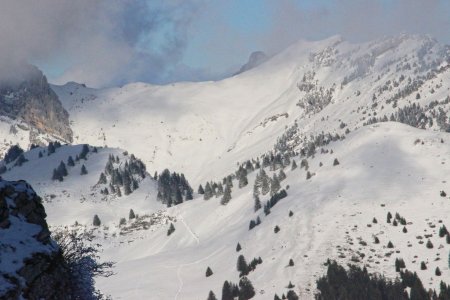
(32, 100)
(31, 263)
(255, 59)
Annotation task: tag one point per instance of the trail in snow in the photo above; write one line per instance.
(180, 280)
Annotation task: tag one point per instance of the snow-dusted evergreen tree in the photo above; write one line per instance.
(238, 248)
(246, 289)
(200, 191)
(211, 296)
(62, 169)
(226, 195)
(56, 175)
(208, 192)
(84, 152)
(242, 265)
(265, 182)
(257, 205)
(209, 272)
(96, 221)
(171, 229)
(83, 170)
(274, 185)
(102, 179)
(281, 175)
(70, 162)
(294, 165)
(131, 214)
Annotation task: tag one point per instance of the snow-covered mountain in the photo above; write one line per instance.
(204, 128)
(351, 117)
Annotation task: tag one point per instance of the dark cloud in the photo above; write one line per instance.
(111, 42)
(101, 42)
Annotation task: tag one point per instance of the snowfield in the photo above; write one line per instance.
(359, 94)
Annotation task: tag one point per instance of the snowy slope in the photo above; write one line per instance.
(383, 168)
(203, 129)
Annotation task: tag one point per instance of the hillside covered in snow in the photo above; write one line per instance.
(328, 150)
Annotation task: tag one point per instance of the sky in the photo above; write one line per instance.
(105, 43)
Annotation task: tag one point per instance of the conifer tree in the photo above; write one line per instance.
(83, 170)
(189, 195)
(208, 192)
(276, 229)
(226, 195)
(246, 289)
(102, 179)
(84, 152)
(227, 291)
(131, 215)
(171, 229)
(96, 221)
(70, 162)
(335, 162)
(243, 181)
(257, 205)
(274, 185)
(281, 175)
(437, 272)
(291, 263)
(241, 265)
(57, 176)
(423, 266)
(294, 165)
(291, 213)
(211, 296)
(308, 175)
(62, 169)
(209, 272)
(291, 295)
(238, 247)
(200, 191)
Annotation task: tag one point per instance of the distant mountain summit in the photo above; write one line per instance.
(31, 100)
(255, 59)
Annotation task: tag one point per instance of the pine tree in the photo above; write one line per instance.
(276, 297)
(62, 169)
(276, 229)
(70, 162)
(83, 170)
(227, 291)
(209, 272)
(50, 148)
(423, 266)
(102, 179)
(241, 265)
(443, 231)
(189, 195)
(251, 225)
(290, 285)
(405, 230)
(390, 245)
(243, 181)
(238, 247)
(96, 221)
(257, 205)
(131, 215)
(374, 220)
(208, 192)
(246, 289)
(56, 175)
(389, 217)
(200, 191)
(281, 175)
(291, 295)
(84, 152)
(335, 162)
(294, 165)
(376, 240)
(211, 296)
(274, 185)
(265, 182)
(171, 229)
(429, 244)
(118, 191)
(308, 175)
(122, 221)
(40, 154)
(291, 213)
(226, 195)
(291, 263)
(448, 238)
(437, 272)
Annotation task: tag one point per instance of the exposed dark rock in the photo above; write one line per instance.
(32, 100)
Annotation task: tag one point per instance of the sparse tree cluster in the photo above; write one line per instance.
(173, 188)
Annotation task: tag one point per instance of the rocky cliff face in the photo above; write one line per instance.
(31, 264)
(32, 100)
